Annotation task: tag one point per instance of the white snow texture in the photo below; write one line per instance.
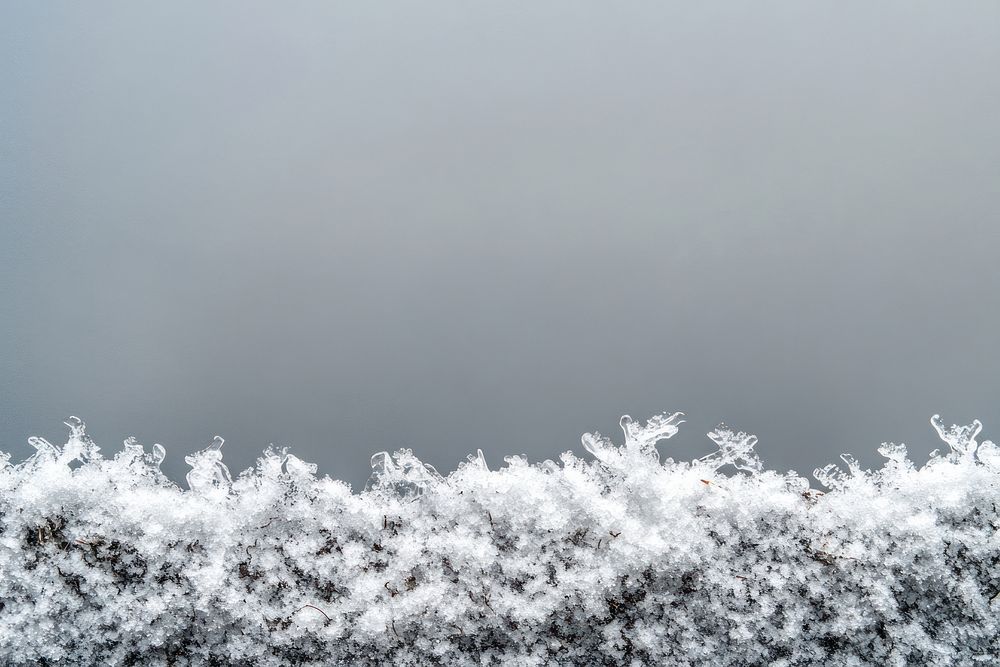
(620, 560)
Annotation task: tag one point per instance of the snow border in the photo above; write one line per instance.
(617, 560)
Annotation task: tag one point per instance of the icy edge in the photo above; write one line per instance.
(622, 559)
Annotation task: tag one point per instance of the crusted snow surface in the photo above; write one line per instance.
(620, 559)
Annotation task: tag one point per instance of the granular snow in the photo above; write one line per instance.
(613, 561)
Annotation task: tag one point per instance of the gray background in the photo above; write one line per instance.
(349, 227)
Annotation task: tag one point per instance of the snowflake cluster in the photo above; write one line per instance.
(622, 559)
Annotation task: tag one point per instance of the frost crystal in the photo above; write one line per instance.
(640, 441)
(830, 476)
(402, 474)
(644, 438)
(615, 561)
(132, 451)
(989, 454)
(893, 451)
(478, 460)
(79, 447)
(45, 451)
(961, 439)
(208, 473)
(735, 449)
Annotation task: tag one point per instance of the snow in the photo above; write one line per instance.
(619, 559)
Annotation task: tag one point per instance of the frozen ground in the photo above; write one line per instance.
(617, 558)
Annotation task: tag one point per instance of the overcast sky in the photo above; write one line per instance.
(356, 226)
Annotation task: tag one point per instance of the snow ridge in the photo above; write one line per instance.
(617, 560)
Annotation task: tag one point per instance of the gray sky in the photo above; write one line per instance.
(349, 227)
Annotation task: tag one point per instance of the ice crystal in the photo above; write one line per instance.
(895, 452)
(45, 452)
(961, 439)
(278, 463)
(402, 473)
(133, 451)
(79, 447)
(478, 460)
(833, 477)
(208, 473)
(644, 438)
(830, 476)
(989, 454)
(640, 440)
(735, 449)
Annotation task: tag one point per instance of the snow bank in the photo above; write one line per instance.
(617, 560)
